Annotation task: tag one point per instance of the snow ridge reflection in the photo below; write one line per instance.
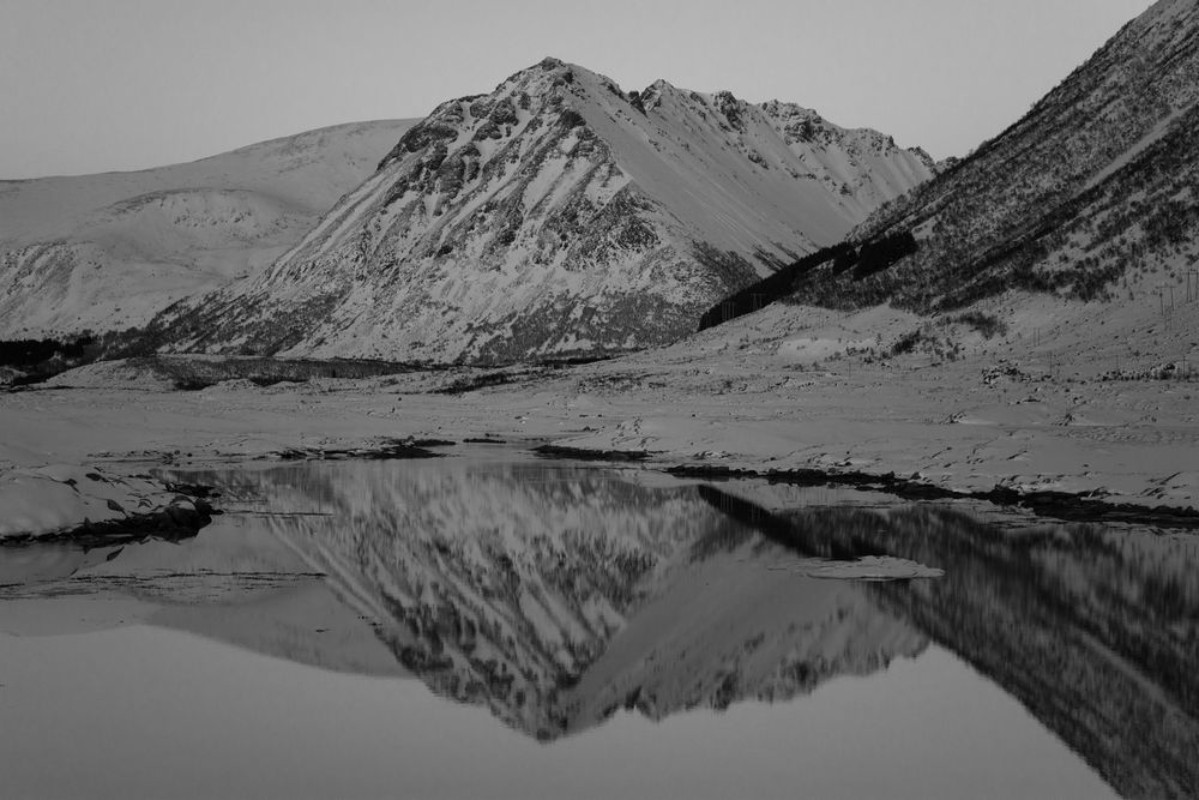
(557, 596)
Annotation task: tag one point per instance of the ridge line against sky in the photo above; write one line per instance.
(99, 85)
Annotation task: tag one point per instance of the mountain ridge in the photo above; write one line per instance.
(556, 215)
(1091, 187)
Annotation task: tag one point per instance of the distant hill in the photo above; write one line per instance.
(109, 251)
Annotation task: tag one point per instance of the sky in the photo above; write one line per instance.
(98, 85)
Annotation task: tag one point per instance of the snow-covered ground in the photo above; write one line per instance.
(784, 388)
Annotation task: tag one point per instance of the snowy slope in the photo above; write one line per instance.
(110, 250)
(557, 215)
(1091, 195)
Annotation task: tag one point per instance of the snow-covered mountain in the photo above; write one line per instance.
(1091, 195)
(557, 215)
(111, 250)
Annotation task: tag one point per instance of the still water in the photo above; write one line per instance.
(494, 628)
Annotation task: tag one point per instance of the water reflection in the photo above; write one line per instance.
(558, 596)
(1095, 630)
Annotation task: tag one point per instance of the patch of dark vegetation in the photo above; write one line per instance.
(1083, 507)
(483, 440)
(585, 454)
(876, 256)
(500, 373)
(776, 286)
(31, 352)
(578, 360)
(141, 347)
(489, 378)
(36, 360)
(192, 373)
(870, 258)
(906, 343)
(1087, 508)
(385, 451)
(1169, 371)
(988, 325)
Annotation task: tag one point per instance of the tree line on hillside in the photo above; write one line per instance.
(24, 353)
(861, 261)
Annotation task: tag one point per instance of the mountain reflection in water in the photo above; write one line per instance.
(557, 595)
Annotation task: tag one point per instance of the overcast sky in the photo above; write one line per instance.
(96, 85)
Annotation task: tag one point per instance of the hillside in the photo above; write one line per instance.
(1091, 195)
(109, 251)
(558, 215)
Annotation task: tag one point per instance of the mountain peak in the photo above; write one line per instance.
(558, 215)
(546, 73)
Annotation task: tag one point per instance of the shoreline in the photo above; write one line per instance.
(1005, 421)
(194, 505)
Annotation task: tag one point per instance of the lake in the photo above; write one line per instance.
(495, 626)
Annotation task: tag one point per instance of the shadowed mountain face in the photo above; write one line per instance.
(1094, 184)
(557, 215)
(557, 596)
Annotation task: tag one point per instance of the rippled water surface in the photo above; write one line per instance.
(490, 628)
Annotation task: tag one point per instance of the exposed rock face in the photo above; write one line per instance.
(557, 215)
(1096, 183)
(108, 251)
